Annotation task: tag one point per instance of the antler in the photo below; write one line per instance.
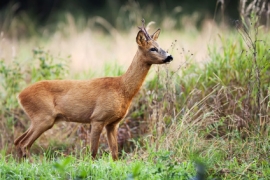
(144, 31)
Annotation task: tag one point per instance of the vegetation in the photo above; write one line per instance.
(189, 116)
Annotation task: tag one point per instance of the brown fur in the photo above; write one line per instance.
(103, 102)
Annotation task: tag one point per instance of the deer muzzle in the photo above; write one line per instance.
(168, 59)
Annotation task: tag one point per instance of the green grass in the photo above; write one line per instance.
(70, 167)
(229, 159)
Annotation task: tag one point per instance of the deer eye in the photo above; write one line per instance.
(154, 49)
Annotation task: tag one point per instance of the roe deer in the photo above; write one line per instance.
(103, 102)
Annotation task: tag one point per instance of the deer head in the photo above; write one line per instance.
(150, 49)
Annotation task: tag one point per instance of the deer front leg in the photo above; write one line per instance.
(112, 139)
(96, 129)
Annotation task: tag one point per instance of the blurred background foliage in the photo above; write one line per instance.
(122, 14)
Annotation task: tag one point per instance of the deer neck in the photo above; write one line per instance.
(135, 75)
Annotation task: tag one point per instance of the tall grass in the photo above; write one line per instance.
(213, 111)
(218, 112)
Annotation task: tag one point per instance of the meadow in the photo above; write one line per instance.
(205, 115)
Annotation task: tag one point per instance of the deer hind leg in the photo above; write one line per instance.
(96, 129)
(16, 142)
(25, 141)
(112, 139)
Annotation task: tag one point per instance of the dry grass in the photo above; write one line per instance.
(91, 49)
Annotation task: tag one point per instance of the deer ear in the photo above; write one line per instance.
(155, 35)
(141, 39)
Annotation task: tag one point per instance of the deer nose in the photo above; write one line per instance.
(168, 59)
